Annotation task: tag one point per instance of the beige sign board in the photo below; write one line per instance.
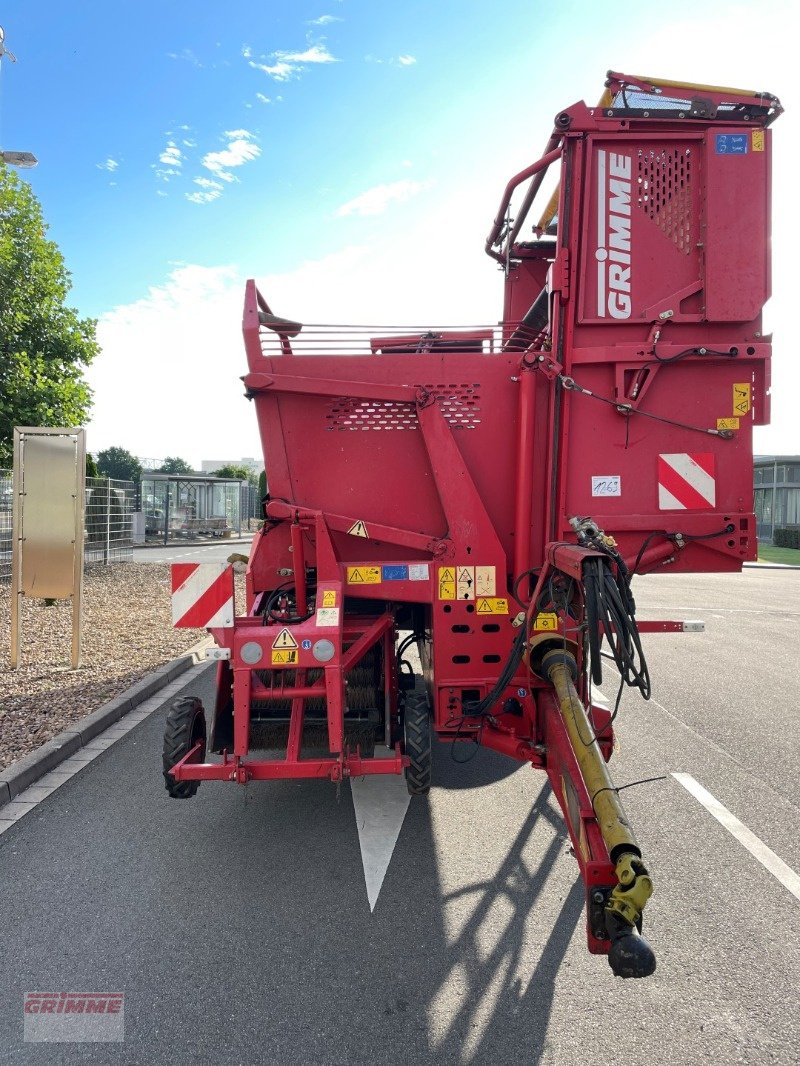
(47, 548)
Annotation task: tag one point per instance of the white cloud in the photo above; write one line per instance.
(186, 54)
(324, 20)
(263, 99)
(247, 51)
(289, 64)
(316, 53)
(375, 201)
(278, 71)
(204, 197)
(171, 156)
(239, 150)
(110, 165)
(396, 61)
(197, 309)
(207, 183)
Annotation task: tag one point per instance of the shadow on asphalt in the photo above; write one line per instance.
(238, 927)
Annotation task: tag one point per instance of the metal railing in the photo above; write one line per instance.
(108, 521)
(109, 507)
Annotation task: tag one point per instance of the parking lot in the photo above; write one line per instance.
(238, 925)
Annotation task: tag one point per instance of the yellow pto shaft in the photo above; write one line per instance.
(630, 954)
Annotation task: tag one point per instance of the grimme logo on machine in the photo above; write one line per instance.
(613, 253)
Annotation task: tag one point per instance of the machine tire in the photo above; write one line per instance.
(186, 724)
(417, 743)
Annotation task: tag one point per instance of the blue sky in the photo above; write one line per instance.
(349, 154)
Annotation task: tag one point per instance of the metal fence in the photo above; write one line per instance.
(251, 507)
(6, 497)
(109, 510)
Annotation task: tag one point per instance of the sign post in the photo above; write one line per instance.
(48, 524)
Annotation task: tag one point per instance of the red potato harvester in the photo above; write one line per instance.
(488, 495)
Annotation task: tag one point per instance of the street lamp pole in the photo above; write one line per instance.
(23, 160)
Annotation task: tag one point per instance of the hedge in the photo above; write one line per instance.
(787, 538)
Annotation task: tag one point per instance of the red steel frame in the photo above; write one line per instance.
(496, 491)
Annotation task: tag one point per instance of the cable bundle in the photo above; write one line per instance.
(611, 613)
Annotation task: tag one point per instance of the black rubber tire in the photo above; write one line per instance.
(417, 743)
(186, 724)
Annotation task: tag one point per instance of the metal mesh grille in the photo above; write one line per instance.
(459, 404)
(665, 192)
(109, 507)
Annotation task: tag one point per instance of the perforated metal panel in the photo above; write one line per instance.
(459, 404)
(665, 191)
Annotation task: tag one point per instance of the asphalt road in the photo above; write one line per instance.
(238, 927)
(190, 552)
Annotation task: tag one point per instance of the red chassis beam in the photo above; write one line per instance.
(243, 771)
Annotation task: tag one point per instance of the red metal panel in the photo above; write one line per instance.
(737, 235)
(368, 458)
(643, 230)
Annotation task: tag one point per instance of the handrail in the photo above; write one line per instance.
(552, 152)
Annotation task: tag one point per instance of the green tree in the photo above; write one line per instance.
(119, 463)
(240, 472)
(44, 345)
(91, 466)
(173, 465)
(262, 484)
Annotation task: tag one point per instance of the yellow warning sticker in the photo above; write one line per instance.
(284, 640)
(363, 575)
(465, 582)
(284, 657)
(758, 140)
(329, 598)
(742, 398)
(727, 423)
(447, 582)
(485, 582)
(546, 620)
(492, 605)
(358, 529)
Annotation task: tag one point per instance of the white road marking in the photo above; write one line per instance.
(380, 802)
(746, 837)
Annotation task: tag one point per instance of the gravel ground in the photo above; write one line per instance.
(127, 633)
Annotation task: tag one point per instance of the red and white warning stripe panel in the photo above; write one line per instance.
(202, 596)
(686, 481)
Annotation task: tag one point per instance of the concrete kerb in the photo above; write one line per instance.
(25, 771)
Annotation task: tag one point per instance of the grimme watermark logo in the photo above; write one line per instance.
(75, 1017)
